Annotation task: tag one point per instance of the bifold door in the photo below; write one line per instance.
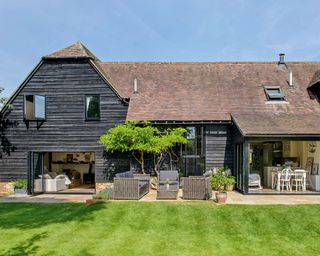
(238, 162)
(36, 181)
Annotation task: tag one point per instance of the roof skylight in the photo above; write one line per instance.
(274, 93)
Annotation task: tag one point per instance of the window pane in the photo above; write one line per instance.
(274, 94)
(40, 107)
(191, 133)
(92, 107)
(29, 107)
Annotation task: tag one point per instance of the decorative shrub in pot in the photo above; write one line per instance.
(20, 187)
(230, 181)
(218, 183)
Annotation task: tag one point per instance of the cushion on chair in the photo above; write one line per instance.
(171, 183)
(45, 176)
(143, 184)
(172, 177)
(128, 174)
(168, 175)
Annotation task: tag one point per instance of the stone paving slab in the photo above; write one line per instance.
(46, 198)
(238, 198)
(233, 198)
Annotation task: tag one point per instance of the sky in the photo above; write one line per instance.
(154, 30)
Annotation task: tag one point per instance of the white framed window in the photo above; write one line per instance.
(34, 107)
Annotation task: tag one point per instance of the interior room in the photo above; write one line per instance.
(284, 167)
(72, 172)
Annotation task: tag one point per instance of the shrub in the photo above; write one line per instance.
(20, 184)
(218, 180)
(231, 180)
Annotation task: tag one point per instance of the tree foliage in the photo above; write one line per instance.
(6, 146)
(141, 138)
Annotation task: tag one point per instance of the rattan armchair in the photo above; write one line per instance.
(128, 186)
(196, 188)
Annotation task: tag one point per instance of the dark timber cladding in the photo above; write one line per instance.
(65, 84)
(219, 146)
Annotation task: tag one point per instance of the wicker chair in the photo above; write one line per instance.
(196, 188)
(168, 185)
(129, 186)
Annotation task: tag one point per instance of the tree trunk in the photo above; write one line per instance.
(157, 159)
(170, 156)
(142, 161)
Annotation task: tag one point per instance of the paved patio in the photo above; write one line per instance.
(46, 198)
(237, 198)
(233, 198)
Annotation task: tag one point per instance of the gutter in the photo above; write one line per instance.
(285, 135)
(190, 122)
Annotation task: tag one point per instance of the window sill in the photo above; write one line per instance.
(35, 120)
(92, 120)
(277, 102)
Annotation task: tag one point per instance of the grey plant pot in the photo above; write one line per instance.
(20, 191)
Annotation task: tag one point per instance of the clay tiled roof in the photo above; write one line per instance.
(77, 50)
(272, 124)
(212, 90)
(316, 78)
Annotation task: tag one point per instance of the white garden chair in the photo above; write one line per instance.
(299, 179)
(285, 177)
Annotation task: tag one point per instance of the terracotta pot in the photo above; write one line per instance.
(229, 187)
(90, 201)
(221, 197)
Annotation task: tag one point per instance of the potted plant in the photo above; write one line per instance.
(20, 187)
(218, 183)
(230, 181)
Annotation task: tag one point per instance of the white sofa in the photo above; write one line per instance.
(50, 185)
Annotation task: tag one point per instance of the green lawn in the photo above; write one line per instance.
(135, 228)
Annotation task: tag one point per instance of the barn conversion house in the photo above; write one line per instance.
(253, 117)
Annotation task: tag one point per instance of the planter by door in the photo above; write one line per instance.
(229, 187)
(221, 197)
(20, 191)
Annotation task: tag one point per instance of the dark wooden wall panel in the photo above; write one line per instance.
(65, 84)
(219, 146)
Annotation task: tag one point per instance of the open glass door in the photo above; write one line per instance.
(36, 182)
(238, 161)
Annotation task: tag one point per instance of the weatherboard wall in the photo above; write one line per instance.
(65, 84)
(219, 149)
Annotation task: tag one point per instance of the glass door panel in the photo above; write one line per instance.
(193, 165)
(239, 166)
(193, 160)
(36, 182)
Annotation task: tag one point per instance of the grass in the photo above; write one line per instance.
(136, 228)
